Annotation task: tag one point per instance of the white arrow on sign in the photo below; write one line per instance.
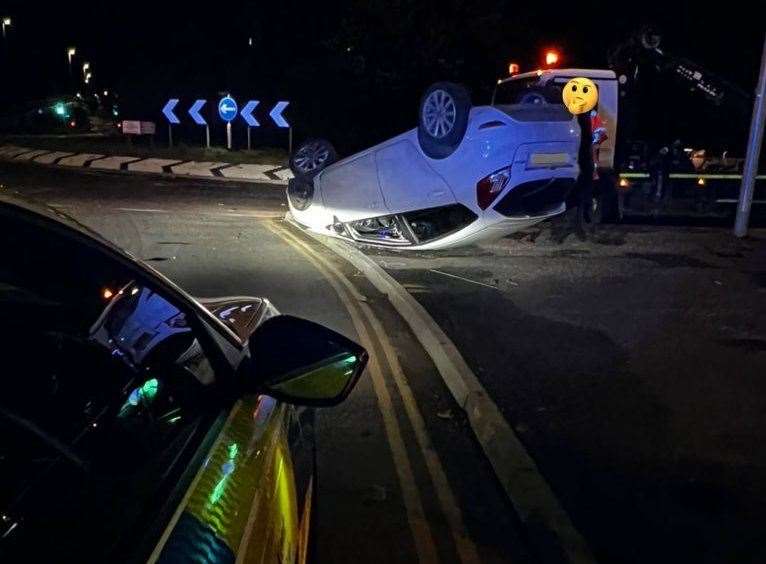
(276, 114)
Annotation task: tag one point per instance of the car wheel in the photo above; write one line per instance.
(443, 119)
(300, 192)
(311, 157)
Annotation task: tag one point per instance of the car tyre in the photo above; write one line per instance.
(443, 119)
(311, 157)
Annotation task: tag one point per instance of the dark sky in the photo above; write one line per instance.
(150, 50)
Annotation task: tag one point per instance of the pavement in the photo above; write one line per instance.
(262, 173)
(629, 363)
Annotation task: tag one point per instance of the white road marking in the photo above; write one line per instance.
(462, 278)
(142, 210)
(259, 215)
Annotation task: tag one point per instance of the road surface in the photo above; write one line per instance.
(400, 475)
(631, 364)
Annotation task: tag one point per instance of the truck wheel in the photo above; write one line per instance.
(311, 157)
(607, 193)
(443, 119)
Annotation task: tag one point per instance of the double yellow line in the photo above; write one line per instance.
(383, 356)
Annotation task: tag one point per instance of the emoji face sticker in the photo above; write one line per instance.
(580, 95)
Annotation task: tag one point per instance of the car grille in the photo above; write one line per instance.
(536, 197)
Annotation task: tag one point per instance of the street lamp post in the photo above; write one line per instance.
(757, 124)
(6, 23)
(70, 52)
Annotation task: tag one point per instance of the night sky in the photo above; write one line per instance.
(356, 67)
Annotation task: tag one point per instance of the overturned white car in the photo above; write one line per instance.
(463, 175)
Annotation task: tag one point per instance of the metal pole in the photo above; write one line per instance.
(228, 135)
(290, 140)
(753, 152)
(207, 135)
(170, 136)
(248, 137)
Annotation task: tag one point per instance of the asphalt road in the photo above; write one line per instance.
(400, 475)
(631, 364)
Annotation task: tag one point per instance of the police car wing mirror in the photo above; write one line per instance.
(303, 363)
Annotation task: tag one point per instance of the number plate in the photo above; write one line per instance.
(549, 159)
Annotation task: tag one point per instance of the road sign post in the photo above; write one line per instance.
(167, 111)
(753, 152)
(276, 115)
(227, 109)
(194, 112)
(247, 115)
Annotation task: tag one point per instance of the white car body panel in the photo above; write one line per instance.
(396, 177)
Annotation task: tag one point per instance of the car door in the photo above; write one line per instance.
(117, 440)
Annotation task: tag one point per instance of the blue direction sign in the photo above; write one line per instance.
(194, 112)
(168, 111)
(247, 113)
(227, 108)
(276, 114)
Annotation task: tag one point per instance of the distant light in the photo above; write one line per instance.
(106, 92)
(72, 123)
(700, 182)
(6, 21)
(250, 41)
(79, 95)
(348, 49)
(688, 149)
(499, 80)
(107, 293)
(59, 109)
(134, 291)
(551, 57)
(539, 72)
(513, 68)
(624, 183)
(71, 51)
(85, 66)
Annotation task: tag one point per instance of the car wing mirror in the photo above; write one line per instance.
(304, 363)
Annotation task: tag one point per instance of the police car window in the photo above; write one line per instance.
(103, 384)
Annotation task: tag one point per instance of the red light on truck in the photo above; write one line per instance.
(551, 57)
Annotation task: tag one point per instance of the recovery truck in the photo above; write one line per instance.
(635, 178)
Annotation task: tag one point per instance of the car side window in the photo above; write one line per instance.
(104, 384)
